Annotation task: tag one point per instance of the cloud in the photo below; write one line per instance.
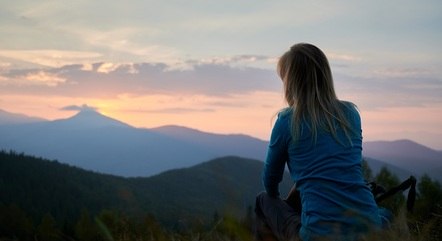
(386, 91)
(107, 79)
(343, 57)
(4, 66)
(50, 57)
(403, 72)
(32, 78)
(124, 44)
(83, 107)
(244, 60)
(180, 110)
(44, 78)
(107, 68)
(390, 87)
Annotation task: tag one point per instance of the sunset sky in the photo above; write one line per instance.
(210, 65)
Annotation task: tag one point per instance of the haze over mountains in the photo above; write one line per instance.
(12, 118)
(96, 142)
(99, 143)
(407, 155)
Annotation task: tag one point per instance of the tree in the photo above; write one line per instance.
(86, 229)
(14, 223)
(366, 171)
(429, 201)
(47, 230)
(386, 178)
(152, 229)
(427, 218)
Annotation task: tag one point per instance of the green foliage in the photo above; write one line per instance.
(386, 178)
(153, 229)
(79, 201)
(46, 200)
(47, 230)
(85, 228)
(425, 223)
(227, 185)
(427, 218)
(234, 229)
(15, 223)
(366, 171)
(429, 201)
(179, 197)
(40, 186)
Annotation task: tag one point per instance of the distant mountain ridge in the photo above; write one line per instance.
(14, 118)
(408, 155)
(96, 142)
(376, 165)
(229, 144)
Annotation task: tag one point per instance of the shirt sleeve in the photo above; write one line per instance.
(276, 157)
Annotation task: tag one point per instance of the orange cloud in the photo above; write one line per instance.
(44, 78)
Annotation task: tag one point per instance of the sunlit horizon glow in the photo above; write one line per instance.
(211, 66)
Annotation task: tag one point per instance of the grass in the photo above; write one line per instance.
(230, 229)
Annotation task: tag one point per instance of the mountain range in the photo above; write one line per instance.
(99, 143)
(13, 118)
(95, 142)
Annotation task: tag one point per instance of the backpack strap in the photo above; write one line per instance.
(376, 189)
(409, 183)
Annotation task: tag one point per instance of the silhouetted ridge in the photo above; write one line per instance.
(223, 185)
(7, 118)
(407, 155)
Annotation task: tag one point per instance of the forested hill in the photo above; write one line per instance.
(47, 199)
(224, 185)
(40, 186)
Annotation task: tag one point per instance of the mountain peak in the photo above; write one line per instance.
(88, 112)
(87, 118)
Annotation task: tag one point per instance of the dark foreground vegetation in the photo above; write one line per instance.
(44, 200)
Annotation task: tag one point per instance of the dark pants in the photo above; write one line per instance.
(276, 219)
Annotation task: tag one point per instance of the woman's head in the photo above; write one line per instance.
(309, 90)
(306, 75)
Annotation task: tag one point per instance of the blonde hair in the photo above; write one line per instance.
(309, 91)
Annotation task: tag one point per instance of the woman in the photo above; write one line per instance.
(320, 139)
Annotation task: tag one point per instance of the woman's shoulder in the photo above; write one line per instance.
(285, 113)
(351, 112)
(349, 107)
(284, 118)
(348, 104)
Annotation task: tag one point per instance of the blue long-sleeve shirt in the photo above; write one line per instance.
(335, 198)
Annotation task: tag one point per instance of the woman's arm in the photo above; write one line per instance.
(276, 158)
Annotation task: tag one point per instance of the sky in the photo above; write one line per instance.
(210, 65)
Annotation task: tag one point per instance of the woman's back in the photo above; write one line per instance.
(328, 174)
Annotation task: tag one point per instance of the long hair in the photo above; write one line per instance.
(309, 92)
